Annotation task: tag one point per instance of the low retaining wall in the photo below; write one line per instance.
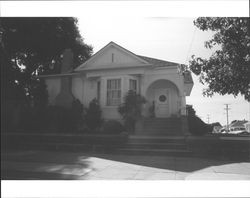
(220, 147)
(82, 142)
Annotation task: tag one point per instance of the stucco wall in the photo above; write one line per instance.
(84, 87)
(171, 74)
(53, 87)
(77, 88)
(89, 90)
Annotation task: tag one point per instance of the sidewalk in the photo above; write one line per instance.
(65, 165)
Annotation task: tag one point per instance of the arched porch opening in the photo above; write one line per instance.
(163, 99)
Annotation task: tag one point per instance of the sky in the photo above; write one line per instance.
(162, 30)
(168, 38)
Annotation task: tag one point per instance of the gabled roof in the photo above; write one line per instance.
(144, 61)
(84, 66)
(158, 62)
(238, 123)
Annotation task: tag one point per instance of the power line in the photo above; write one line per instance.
(249, 111)
(191, 44)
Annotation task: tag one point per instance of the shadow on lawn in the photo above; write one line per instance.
(182, 164)
(69, 166)
(44, 165)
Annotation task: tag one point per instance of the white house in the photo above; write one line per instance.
(111, 72)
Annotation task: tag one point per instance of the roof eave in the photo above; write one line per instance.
(56, 75)
(111, 68)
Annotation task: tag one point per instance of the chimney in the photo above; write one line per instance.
(67, 62)
(65, 97)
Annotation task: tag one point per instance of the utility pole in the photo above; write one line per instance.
(208, 118)
(249, 111)
(227, 116)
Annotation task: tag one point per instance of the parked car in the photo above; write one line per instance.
(244, 133)
(237, 130)
(223, 130)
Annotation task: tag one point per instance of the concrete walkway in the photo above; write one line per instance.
(65, 165)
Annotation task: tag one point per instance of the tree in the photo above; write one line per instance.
(33, 46)
(227, 71)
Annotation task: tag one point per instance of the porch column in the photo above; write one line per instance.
(103, 92)
(184, 120)
(183, 105)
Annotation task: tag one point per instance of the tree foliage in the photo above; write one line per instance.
(227, 71)
(35, 45)
(132, 105)
(131, 109)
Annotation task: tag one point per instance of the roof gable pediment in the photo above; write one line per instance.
(112, 56)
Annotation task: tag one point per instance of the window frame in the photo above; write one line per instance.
(111, 90)
(136, 84)
(98, 91)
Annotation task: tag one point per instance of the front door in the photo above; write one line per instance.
(162, 102)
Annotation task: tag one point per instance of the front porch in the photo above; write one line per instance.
(164, 99)
(173, 126)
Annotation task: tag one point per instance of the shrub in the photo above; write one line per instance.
(27, 118)
(51, 118)
(197, 126)
(112, 127)
(94, 115)
(77, 112)
(40, 94)
(130, 110)
(60, 119)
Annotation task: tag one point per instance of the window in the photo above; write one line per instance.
(132, 85)
(113, 92)
(98, 91)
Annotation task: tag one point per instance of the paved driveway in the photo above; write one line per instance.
(65, 165)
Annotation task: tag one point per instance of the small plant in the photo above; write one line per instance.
(130, 110)
(94, 115)
(112, 127)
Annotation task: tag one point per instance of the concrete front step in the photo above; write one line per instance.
(170, 125)
(156, 139)
(167, 128)
(161, 122)
(161, 126)
(156, 146)
(159, 152)
(152, 134)
(166, 131)
(163, 119)
(166, 122)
